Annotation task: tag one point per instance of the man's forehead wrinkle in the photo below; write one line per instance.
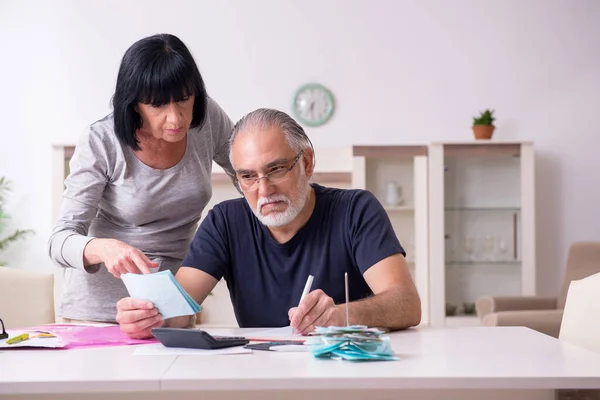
(249, 142)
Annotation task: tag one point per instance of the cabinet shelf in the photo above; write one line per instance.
(399, 208)
(486, 262)
(492, 209)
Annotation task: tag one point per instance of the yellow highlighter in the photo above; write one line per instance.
(42, 335)
(17, 339)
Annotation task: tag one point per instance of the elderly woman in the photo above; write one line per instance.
(139, 179)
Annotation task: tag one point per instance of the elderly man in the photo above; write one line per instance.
(284, 229)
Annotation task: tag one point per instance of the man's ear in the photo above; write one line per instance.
(308, 159)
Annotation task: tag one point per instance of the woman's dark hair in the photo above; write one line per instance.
(155, 70)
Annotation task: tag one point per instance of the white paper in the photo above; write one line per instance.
(284, 333)
(47, 342)
(159, 350)
(290, 348)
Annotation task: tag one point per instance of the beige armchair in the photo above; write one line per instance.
(543, 314)
(26, 298)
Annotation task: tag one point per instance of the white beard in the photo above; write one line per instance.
(277, 219)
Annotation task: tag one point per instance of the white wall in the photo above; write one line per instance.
(401, 71)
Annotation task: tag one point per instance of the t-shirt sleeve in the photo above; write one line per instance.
(372, 236)
(208, 251)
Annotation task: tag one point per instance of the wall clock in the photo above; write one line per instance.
(313, 104)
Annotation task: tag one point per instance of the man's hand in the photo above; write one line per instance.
(118, 257)
(317, 309)
(137, 317)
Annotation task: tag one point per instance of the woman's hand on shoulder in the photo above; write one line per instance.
(118, 257)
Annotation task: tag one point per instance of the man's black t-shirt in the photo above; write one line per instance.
(348, 231)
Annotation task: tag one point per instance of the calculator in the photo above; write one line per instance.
(195, 339)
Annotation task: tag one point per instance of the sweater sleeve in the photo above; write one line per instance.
(222, 128)
(89, 174)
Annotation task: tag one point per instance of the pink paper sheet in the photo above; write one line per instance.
(85, 336)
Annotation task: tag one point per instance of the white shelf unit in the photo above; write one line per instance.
(481, 225)
(376, 166)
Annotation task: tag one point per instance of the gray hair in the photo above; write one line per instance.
(265, 118)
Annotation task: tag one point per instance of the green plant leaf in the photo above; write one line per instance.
(486, 117)
(3, 219)
(4, 189)
(19, 233)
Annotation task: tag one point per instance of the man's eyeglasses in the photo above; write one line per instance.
(250, 182)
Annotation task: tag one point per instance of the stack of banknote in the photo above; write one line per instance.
(354, 343)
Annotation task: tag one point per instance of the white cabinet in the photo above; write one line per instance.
(482, 226)
(397, 176)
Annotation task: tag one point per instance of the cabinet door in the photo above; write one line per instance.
(477, 218)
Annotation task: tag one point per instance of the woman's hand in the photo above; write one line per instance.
(118, 257)
(137, 317)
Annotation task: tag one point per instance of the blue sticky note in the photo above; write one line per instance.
(163, 290)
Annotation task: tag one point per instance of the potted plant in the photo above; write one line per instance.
(483, 126)
(17, 234)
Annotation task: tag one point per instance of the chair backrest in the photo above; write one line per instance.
(581, 318)
(26, 298)
(583, 260)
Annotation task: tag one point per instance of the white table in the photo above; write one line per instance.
(92, 370)
(470, 362)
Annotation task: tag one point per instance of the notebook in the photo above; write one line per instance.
(163, 290)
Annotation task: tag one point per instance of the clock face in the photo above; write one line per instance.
(313, 104)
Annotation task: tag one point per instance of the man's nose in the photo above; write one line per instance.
(265, 189)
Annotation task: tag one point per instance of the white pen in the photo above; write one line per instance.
(347, 299)
(304, 293)
(306, 288)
